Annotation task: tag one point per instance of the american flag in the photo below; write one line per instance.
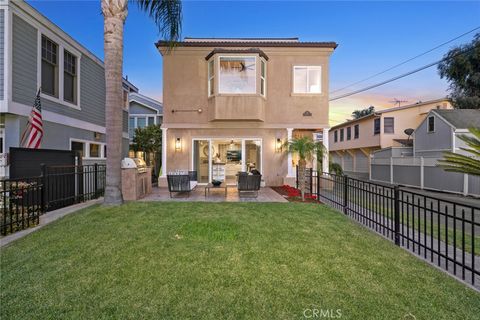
(32, 136)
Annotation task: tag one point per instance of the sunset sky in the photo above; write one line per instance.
(372, 37)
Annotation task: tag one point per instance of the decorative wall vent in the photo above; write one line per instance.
(307, 114)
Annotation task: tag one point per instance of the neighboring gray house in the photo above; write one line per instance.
(35, 53)
(143, 111)
(417, 165)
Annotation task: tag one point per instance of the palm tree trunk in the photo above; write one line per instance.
(114, 13)
(302, 164)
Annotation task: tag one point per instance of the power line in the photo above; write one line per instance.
(400, 76)
(404, 62)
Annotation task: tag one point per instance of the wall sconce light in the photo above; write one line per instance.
(278, 145)
(178, 144)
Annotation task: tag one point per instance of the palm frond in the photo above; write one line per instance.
(463, 163)
(167, 15)
(305, 147)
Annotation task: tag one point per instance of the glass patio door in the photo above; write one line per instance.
(201, 160)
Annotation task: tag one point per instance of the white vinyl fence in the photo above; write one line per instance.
(423, 173)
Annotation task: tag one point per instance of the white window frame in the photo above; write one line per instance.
(86, 144)
(264, 78)
(237, 93)
(393, 125)
(428, 124)
(211, 76)
(62, 46)
(210, 156)
(135, 117)
(308, 68)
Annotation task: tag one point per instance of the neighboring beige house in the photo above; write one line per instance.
(229, 105)
(352, 142)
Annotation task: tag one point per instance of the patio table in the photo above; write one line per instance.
(211, 186)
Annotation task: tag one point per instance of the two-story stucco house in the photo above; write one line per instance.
(229, 104)
(353, 142)
(35, 53)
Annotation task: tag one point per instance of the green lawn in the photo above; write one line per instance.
(220, 261)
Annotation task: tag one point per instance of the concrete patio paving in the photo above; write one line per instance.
(265, 194)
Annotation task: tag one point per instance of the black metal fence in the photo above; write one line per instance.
(444, 232)
(24, 200)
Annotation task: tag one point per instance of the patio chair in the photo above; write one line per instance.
(182, 182)
(248, 183)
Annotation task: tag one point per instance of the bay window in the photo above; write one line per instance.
(237, 75)
(211, 75)
(307, 79)
(263, 76)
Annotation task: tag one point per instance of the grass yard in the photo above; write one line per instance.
(220, 261)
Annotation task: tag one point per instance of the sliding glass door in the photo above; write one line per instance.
(222, 158)
(201, 159)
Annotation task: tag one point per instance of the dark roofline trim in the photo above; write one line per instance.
(239, 51)
(271, 44)
(250, 39)
(350, 122)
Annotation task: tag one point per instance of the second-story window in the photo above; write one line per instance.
(69, 77)
(431, 124)
(237, 75)
(307, 79)
(263, 77)
(349, 133)
(376, 126)
(356, 131)
(388, 125)
(335, 136)
(49, 67)
(341, 134)
(211, 76)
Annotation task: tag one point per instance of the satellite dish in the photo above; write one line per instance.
(408, 132)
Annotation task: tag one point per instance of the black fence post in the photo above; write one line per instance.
(311, 181)
(345, 194)
(95, 177)
(396, 199)
(43, 193)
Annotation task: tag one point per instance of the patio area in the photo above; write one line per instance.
(265, 194)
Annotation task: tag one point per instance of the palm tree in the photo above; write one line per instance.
(167, 14)
(455, 162)
(305, 148)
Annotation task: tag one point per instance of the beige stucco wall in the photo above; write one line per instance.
(185, 87)
(366, 138)
(403, 119)
(406, 118)
(185, 73)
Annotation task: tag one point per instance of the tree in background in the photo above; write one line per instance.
(455, 162)
(167, 15)
(149, 140)
(363, 112)
(461, 67)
